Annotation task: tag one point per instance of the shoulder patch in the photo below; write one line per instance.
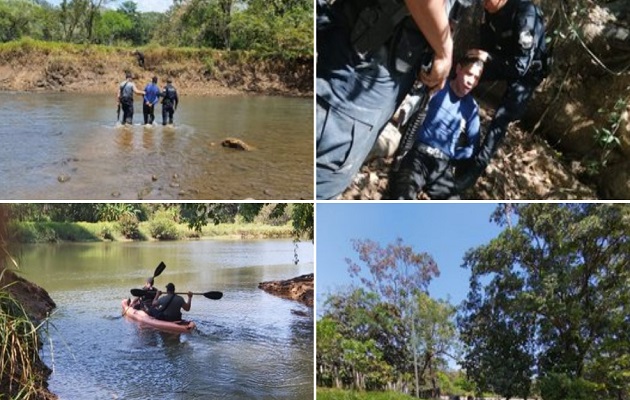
(526, 40)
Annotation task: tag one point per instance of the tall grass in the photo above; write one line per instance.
(339, 394)
(19, 344)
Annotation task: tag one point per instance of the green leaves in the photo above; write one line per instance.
(554, 301)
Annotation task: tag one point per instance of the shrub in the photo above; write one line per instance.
(163, 227)
(128, 225)
(556, 386)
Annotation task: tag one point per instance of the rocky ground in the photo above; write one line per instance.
(300, 288)
(524, 168)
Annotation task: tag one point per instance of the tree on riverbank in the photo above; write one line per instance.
(283, 28)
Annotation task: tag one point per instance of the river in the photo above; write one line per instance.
(56, 146)
(248, 345)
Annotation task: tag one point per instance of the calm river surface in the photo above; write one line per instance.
(248, 345)
(68, 146)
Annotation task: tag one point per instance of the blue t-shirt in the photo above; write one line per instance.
(151, 93)
(448, 117)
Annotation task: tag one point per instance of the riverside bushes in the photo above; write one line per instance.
(19, 346)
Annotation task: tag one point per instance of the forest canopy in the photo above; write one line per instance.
(280, 26)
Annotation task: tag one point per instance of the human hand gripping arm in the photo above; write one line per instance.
(431, 18)
(187, 305)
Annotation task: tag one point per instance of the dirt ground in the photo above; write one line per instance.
(524, 168)
(90, 71)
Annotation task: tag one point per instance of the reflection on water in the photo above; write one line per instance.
(248, 345)
(69, 146)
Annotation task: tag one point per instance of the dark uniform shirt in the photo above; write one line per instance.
(173, 311)
(515, 38)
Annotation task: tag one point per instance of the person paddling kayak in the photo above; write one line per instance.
(144, 302)
(168, 308)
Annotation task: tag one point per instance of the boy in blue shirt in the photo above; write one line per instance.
(152, 91)
(452, 115)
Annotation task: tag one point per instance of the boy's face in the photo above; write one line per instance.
(467, 78)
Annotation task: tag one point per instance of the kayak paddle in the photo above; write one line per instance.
(160, 268)
(208, 295)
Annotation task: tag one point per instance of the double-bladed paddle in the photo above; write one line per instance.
(208, 295)
(160, 268)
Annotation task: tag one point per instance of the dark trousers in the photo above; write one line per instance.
(167, 112)
(148, 110)
(127, 107)
(419, 171)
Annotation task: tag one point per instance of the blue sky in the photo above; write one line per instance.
(143, 5)
(444, 230)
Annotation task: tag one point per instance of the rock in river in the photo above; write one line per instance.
(300, 288)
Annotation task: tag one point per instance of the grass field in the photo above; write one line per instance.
(338, 394)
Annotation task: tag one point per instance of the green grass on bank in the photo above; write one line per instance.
(26, 46)
(338, 394)
(51, 232)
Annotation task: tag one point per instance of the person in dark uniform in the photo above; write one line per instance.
(169, 102)
(140, 56)
(125, 93)
(513, 46)
(369, 54)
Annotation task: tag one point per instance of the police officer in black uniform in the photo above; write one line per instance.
(369, 54)
(169, 102)
(513, 44)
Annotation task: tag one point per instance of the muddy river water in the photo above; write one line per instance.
(248, 345)
(68, 146)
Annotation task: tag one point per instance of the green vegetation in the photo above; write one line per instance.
(280, 27)
(42, 223)
(547, 314)
(386, 333)
(553, 305)
(19, 346)
(338, 394)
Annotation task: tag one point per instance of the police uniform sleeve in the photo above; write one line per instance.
(526, 36)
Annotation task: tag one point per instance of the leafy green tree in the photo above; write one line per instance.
(364, 324)
(112, 26)
(16, 18)
(555, 304)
